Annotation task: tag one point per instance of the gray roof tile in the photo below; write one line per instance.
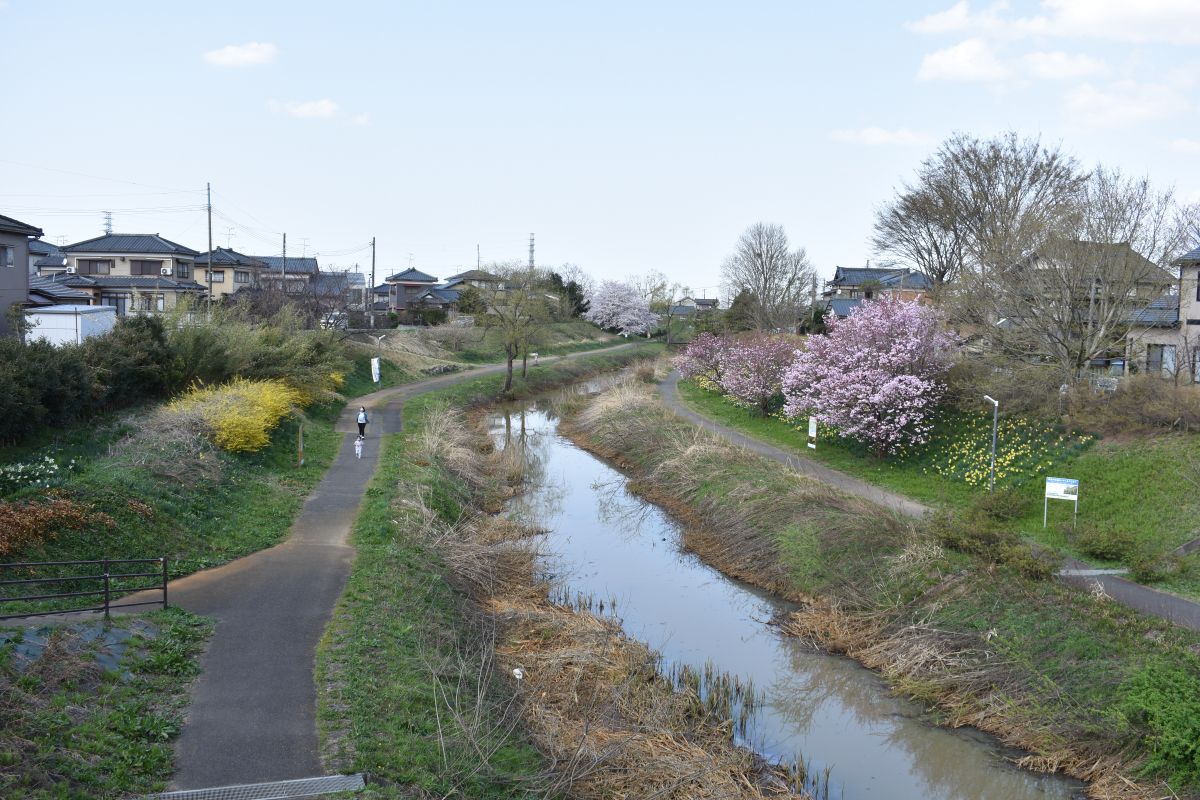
(135, 243)
(10, 225)
(295, 266)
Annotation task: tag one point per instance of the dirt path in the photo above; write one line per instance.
(1126, 592)
(253, 711)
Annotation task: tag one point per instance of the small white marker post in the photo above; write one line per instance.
(375, 369)
(812, 433)
(1060, 489)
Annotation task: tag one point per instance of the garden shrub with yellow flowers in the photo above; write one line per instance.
(241, 414)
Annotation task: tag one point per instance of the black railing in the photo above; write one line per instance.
(107, 587)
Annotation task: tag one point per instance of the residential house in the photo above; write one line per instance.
(40, 251)
(694, 305)
(851, 286)
(1165, 335)
(380, 295)
(231, 272)
(48, 291)
(480, 279)
(134, 273)
(403, 288)
(14, 267)
(295, 275)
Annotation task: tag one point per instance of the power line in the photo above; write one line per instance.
(93, 177)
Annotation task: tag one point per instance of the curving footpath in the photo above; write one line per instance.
(253, 711)
(1132, 595)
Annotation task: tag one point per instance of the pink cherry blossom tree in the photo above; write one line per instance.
(702, 356)
(752, 369)
(618, 305)
(875, 376)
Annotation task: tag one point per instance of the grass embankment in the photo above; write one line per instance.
(1138, 498)
(1085, 685)
(440, 594)
(74, 725)
(484, 345)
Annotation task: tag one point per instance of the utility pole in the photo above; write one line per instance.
(208, 193)
(531, 251)
(371, 288)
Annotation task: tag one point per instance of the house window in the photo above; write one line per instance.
(6, 257)
(118, 301)
(218, 276)
(241, 276)
(1160, 358)
(94, 266)
(183, 270)
(138, 267)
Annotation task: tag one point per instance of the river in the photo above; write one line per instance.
(839, 718)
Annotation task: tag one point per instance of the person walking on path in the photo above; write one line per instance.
(358, 445)
(362, 421)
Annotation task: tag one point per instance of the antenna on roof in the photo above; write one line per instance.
(108, 223)
(228, 235)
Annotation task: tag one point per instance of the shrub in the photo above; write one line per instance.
(40, 385)
(130, 363)
(702, 357)
(977, 532)
(1110, 544)
(752, 370)
(1163, 698)
(241, 414)
(1141, 403)
(1002, 504)
(26, 525)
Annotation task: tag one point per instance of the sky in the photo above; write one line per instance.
(628, 136)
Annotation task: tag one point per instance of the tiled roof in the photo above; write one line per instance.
(128, 282)
(709, 302)
(1161, 313)
(50, 262)
(135, 243)
(10, 225)
(854, 276)
(904, 279)
(295, 266)
(1190, 257)
(843, 306)
(39, 247)
(682, 311)
(55, 290)
(224, 257)
(411, 276)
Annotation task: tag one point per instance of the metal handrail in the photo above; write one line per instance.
(105, 591)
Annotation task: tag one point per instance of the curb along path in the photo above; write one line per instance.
(1132, 595)
(253, 712)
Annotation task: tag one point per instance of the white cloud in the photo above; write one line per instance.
(1143, 21)
(1189, 146)
(969, 60)
(1123, 103)
(242, 55)
(1058, 65)
(882, 136)
(310, 109)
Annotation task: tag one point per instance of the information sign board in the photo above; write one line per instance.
(812, 433)
(1060, 489)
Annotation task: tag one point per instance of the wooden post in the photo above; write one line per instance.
(300, 446)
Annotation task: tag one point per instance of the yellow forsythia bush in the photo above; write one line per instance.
(241, 414)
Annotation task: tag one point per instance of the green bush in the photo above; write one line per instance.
(979, 533)
(130, 363)
(1110, 544)
(1002, 505)
(40, 385)
(1164, 699)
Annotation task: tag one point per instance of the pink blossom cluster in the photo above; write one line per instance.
(753, 367)
(702, 357)
(875, 376)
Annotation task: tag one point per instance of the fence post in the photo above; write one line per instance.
(163, 559)
(106, 589)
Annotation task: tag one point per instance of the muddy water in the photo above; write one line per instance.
(835, 715)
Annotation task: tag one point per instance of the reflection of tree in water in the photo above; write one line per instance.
(622, 511)
(949, 764)
(529, 435)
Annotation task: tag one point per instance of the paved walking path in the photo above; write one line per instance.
(253, 711)
(1133, 595)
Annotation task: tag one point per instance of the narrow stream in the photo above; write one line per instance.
(611, 545)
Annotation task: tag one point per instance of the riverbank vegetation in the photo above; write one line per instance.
(955, 613)
(90, 709)
(416, 670)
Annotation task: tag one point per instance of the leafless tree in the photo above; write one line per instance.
(921, 228)
(516, 309)
(774, 276)
(1081, 292)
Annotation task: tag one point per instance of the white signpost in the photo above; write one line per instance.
(812, 433)
(1060, 489)
(375, 369)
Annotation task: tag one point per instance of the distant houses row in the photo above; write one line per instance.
(148, 273)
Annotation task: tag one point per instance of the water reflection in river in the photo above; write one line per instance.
(609, 544)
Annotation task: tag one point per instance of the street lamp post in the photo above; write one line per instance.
(995, 420)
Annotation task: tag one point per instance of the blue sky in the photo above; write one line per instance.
(628, 136)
